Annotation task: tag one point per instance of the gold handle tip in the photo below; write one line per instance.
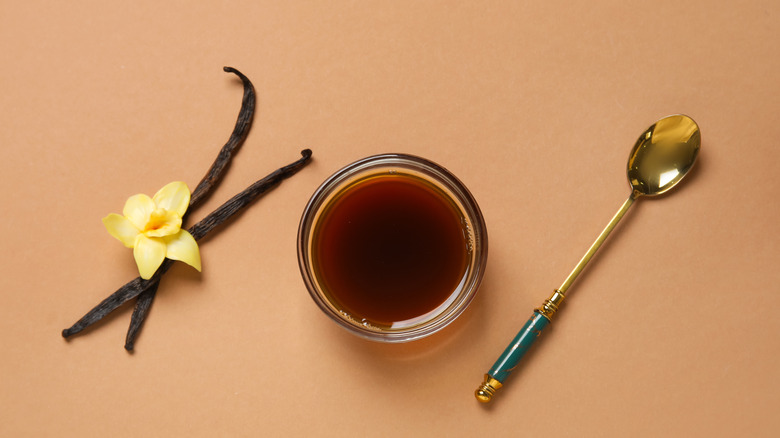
(488, 388)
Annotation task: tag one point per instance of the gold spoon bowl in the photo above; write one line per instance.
(663, 155)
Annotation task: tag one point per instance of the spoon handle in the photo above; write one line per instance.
(510, 358)
(597, 244)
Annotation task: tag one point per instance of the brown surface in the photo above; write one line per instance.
(672, 331)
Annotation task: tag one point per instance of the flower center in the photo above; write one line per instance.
(158, 219)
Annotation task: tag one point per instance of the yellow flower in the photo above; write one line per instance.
(152, 227)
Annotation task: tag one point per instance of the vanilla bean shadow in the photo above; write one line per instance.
(227, 210)
(206, 185)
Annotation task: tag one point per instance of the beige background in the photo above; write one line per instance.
(673, 331)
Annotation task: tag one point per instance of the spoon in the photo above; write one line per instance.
(661, 157)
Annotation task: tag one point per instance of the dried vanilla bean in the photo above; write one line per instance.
(124, 294)
(227, 210)
(247, 196)
(240, 131)
(202, 191)
(142, 305)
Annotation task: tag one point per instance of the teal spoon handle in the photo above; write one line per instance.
(519, 346)
(510, 358)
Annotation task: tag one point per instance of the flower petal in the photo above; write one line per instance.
(138, 208)
(173, 197)
(121, 228)
(182, 247)
(149, 254)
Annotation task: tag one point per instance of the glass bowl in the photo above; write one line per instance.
(314, 255)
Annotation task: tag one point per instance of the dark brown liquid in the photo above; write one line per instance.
(390, 249)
